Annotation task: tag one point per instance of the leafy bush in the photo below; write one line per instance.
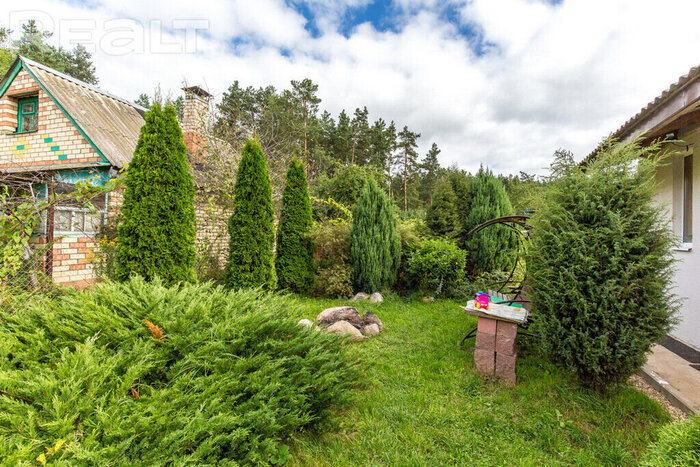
(436, 265)
(140, 373)
(678, 445)
(294, 262)
(492, 249)
(375, 247)
(600, 266)
(346, 186)
(157, 220)
(332, 252)
(251, 226)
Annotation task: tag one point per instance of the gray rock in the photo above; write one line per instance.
(340, 313)
(371, 330)
(359, 296)
(343, 328)
(428, 299)
(307, 323)
(371, 318)
(376, 297)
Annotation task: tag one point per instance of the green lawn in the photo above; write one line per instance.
(422, 403)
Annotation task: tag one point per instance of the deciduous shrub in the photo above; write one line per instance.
(494, 248)
(331, 241)
(600, 266)
(375, 247)
(157, 222)
(678, 445)
(294, 262)
(251, 226)
(144, 374)
(437, 265)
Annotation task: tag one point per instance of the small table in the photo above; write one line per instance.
(496, 333)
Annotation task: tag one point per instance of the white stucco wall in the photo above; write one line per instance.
(687, 275)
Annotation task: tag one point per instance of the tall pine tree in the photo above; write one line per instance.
(430, 166)
(492, 249)
(406, 158)
(295, 262)
(251, 225)
(375, 246)
(157, 224)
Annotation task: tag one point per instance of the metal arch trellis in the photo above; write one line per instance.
(517, 224)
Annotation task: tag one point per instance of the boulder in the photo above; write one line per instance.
(359, 296)
(307, 323)
(371, 318)
(371, 330)
(428, 299)
(376, 297)
(343, 328)
(340, 313)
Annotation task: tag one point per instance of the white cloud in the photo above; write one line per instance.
(555, 75)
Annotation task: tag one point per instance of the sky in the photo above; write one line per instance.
(503, 83)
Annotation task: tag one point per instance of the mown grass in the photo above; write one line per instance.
(422, 403)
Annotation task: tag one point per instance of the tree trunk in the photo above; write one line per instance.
(352, 161)
(405, 175)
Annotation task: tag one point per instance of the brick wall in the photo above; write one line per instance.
(212, 229)
(57, 141)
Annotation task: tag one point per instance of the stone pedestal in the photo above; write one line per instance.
(495, 349)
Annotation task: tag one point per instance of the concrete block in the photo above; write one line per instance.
(507, 329)
(505, 367)
(485, 341)
(487, 325)
(484, 361)
(505, 345)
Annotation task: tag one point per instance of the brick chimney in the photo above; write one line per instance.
(195, 117)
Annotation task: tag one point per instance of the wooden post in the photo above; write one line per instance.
(50, 227)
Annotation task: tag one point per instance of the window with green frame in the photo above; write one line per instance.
(27, 114)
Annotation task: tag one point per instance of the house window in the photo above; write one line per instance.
(77, 218)
(27, 114)
(687, 208)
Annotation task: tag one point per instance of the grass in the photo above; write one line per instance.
(422, 403)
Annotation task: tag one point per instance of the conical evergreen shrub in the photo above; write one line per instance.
(295, 257)
(375, 246)
(157, 220)
(440, 216)
(251, 226)
(494, 248)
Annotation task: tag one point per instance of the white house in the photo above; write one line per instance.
(675, 115)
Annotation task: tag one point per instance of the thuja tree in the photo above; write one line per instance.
(600, 265)
(440, 216)
(157, 225)
(375, 246)
(251, 226)
(492, 249)
(295, 262)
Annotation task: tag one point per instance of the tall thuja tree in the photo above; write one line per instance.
(157, 224)
(295, 260)
(375, 246)
(440, 216)
(251, 226)
(600, 264)
(494, 248)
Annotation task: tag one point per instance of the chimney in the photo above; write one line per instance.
(195, 118)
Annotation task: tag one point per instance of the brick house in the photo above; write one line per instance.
(69, 131)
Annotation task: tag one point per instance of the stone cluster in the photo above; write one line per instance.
(347, 321)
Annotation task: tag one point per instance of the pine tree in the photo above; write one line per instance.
(375, 246)
(360, 136)
(492, 249)
(406, 158)
(251, 225)
(295, 263)
(440, 216)
(157, 220)
(430, 166)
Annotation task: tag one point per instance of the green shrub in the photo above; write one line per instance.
(295, 262)
(251, 226)
(440, 216)
(600, 265)
(144, 374)
(437, 265)
(331, 241)
(375, 247)
(494, 248)
(346, 186)
(157, 222)
(678, 445)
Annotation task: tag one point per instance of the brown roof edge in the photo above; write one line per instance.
(655, 105)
